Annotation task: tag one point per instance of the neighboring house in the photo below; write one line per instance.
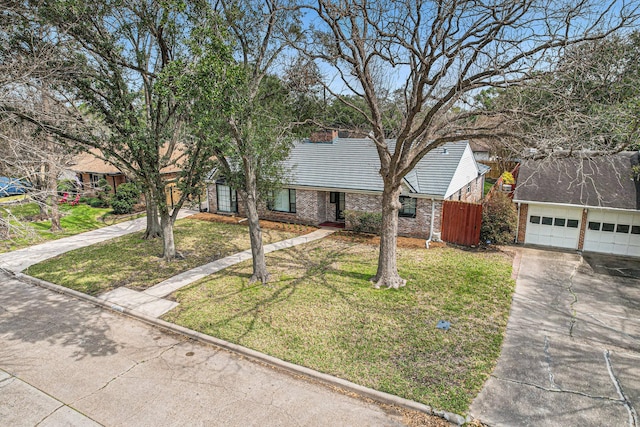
(90, 169)
(586, 204)
(482, 151)
(342, 174)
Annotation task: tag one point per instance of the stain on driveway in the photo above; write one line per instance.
(571, 355)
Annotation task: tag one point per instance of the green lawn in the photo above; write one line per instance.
(133, 262)
(75, 220)
(322, 312)
(487, 186)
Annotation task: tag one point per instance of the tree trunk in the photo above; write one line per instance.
(153, 225)
(387, 275)
(257, 249)
(168, 242)
(52, 188)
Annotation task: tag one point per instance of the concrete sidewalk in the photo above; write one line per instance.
(22, 259)
(67, 362)
(151, 302)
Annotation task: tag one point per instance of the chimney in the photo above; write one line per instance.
(323, 136)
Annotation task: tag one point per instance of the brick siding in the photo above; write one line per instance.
(314, 207)
(474, 195)
(522, 222)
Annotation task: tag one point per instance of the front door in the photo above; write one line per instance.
(340, 207)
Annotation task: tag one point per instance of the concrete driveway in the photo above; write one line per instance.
(571, 356)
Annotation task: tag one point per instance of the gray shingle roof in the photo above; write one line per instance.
(602, 181)
(353, 164)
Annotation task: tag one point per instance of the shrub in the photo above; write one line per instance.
(364, 222)
(95, 202)
(125, 198)
(507, 178)
(499, 220)
(66, 186)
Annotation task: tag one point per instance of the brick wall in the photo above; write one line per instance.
(522, 222)
(314, 207)
(583, 228)
(474, 194)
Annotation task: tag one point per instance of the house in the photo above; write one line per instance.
(89, 168)
(586, 204)
(325, 179)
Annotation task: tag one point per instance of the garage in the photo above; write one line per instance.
(612, 232)
(554, 226)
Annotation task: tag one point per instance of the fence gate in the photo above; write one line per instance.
(461, 222)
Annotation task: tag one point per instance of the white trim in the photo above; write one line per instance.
(568, 205)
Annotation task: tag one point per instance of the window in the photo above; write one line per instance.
(572, 223)
(283, 201)
(94, 179)
(227, 198)
(622, 228)
(559, 222)
(408, 208)
(332, 197)
(607, 226)
(469, 187)
(547, 220)
(635, 229)
(534, 219)
(595, 226)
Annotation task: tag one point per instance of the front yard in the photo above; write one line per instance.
(321, 311)
(74, 220)
(134, 262)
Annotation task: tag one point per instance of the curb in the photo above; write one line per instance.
(378, 396)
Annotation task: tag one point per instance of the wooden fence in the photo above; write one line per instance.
(461, 222)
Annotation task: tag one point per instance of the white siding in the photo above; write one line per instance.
(466, 171)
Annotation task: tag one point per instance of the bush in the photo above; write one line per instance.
(507, 178)
(125, 198)
(499, 220)
(364, 222)
(67, 186)
(95, 202)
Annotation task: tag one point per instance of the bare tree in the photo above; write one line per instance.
(440, 54)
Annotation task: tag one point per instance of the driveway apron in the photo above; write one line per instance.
(571, 355)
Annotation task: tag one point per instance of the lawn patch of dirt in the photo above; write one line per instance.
(267, 225)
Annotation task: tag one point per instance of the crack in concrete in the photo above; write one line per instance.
(48, 415)
(559, 390)
(575, 297)
(604, 325)
(129, 369)
(633, 415)
(549, 360)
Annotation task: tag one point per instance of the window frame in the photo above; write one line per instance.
(291, 201)
(402, 213)
(233, 201)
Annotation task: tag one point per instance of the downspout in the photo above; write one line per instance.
(517, 224)
(433, 211)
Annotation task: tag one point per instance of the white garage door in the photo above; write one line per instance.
(553, 226)
(613, 232)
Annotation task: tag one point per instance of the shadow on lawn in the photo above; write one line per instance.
(317, 270)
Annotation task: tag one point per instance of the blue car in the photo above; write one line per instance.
(12, 186)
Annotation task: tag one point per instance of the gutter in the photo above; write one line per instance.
(433, 211)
